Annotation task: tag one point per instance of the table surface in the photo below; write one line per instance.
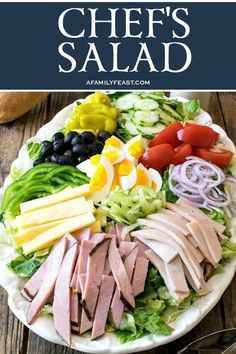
(14, 336)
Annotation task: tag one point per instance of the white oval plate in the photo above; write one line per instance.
(107, 344)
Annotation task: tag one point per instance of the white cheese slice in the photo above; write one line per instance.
(55, 212)
(47, 238)
(67, 194)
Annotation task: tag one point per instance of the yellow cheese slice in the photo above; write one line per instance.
(67, 194)
(27, 234)
(46, 238)
(96, 227)
(55, 212)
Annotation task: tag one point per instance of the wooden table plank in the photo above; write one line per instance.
(13, 337)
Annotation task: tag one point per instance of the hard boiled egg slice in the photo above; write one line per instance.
(134, 148)
(156, 179)
(127, 174)
(89, 166)
(113, 142)
(143, 176)
(113, 155)
(101, 180)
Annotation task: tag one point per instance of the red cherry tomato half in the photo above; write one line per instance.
(168, 135)
(219, 157)
(158, 156)
(181, 152)
(198, 135)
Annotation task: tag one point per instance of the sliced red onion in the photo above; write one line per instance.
(197, 180)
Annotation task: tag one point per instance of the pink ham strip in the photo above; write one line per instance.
(154, 234)
(118, 230)
(75, 274)
(141, 249)
(117, 306)
(103, 305)
(97, 237)
(140, 274)
(125, 248)
(48, 283)
(107, 268)
(85, 249)
(173, 220)
(180, 239)
(74, 312)
(83, 234)
(120, 275)
(61, 302)
(210, 238)
(160, 265)
(85, 324)
(95, 268)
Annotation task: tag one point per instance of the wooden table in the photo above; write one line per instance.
(14, 337)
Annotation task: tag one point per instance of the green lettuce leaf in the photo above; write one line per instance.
(15, 173)
(33, 150)
(169, 195)
(188, 110)
(228, 251)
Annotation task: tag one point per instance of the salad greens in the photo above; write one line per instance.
(169, 195)
(24, 266)
(228, 251)
(127, 206)
(148, 113)
(33, 150)
(155, 309)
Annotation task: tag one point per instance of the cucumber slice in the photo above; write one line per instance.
(171, 111)
(151, 131)
(131, 128)
(147, 118)
(127, 102)
(146, 104)
(165, 117)
(153, 95)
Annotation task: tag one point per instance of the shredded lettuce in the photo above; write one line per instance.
(169, 195)
(228, 251)
(33, 150)
(127, 206)
(188, 110)
(24, 266)
(221, 218)
(46, 310)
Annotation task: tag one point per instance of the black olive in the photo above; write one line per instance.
(88, 137)
(103, 136)
(81, 159)
(99, 148)
(66, 160)
(45, 151)
(48, 159)
(56, 136)
(70, 136)
(58, 141)
(47, 143)
(37, 162)
(93, 148)
(80, 149)
(68, 153)
(77, 140)
(59, 147)
(54, 158)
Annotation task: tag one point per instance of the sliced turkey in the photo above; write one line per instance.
(174, 220)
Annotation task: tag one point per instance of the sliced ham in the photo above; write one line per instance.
(74, 312)
(49, 280)
(71, 240)
(166, 252)
(97, 237)
(140, 274)
(61, 302)
(174, 220)
(75, 274)
(141, 249)
(85, 249)
(120, 275)
(125, 248)
(95, 268)
(158, 235)
(160, 265)
(103, 304)
(118, 230)
(85, 323)
(83, 234)
(117, 305)
(107, 268)
(189, 250)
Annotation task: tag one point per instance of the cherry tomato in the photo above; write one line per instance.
(218, 156)
(158, 156)
(217, 135)
(197, 135)
(181, 152)
(168, 135)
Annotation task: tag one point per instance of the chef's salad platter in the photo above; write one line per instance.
(117, 222)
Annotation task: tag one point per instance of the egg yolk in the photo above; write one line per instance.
(99, 179)
(124, 168)
(111, 155)
(114, 142)
(136, 149)
(154, 186)
(142, 178)
(115, 181)
(95, 159)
